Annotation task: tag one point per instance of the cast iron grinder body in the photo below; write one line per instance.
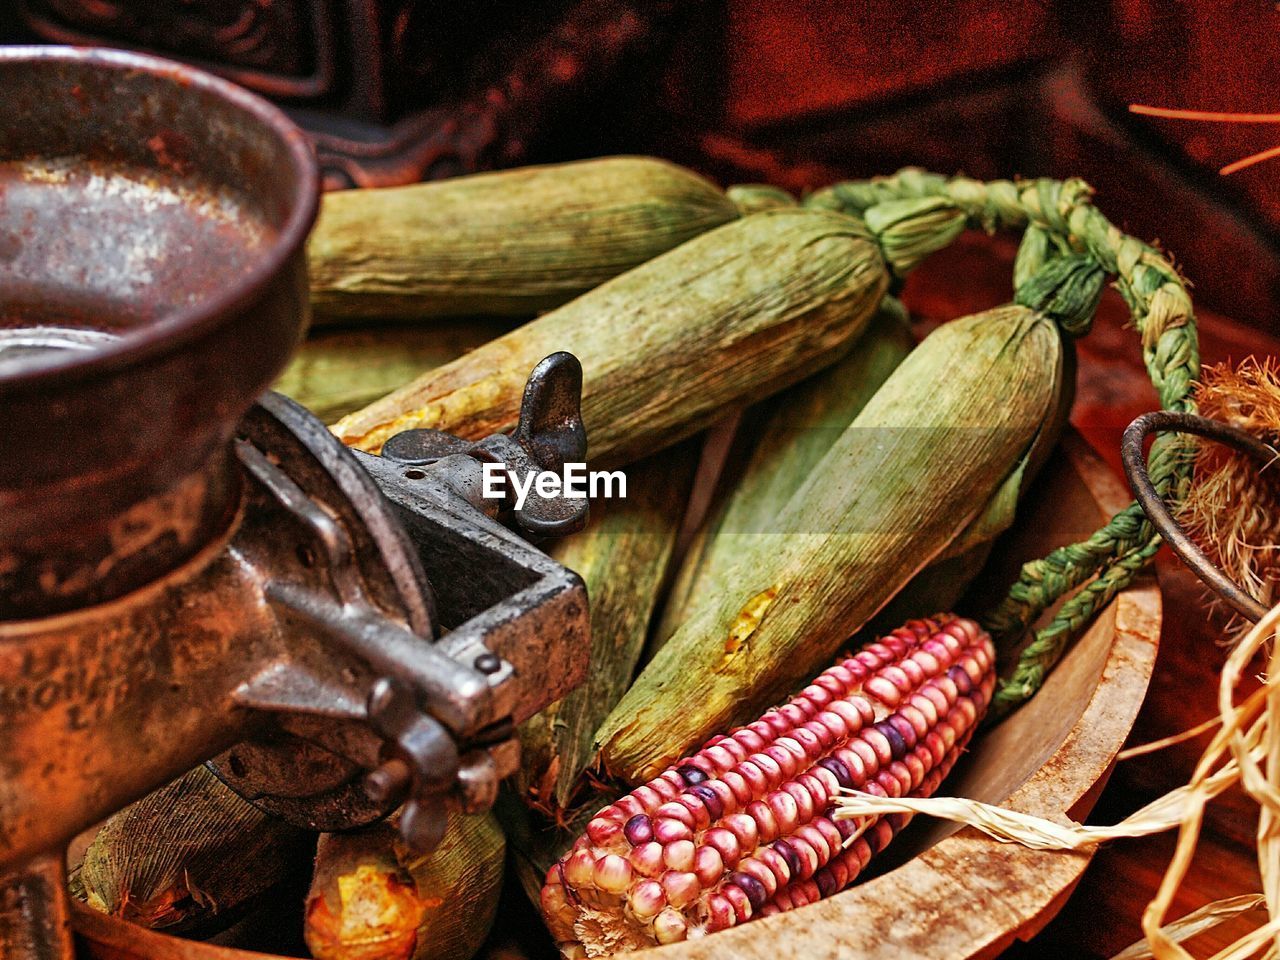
(191, 570)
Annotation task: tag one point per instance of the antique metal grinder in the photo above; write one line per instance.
(193, 571)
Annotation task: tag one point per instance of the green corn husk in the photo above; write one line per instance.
(915, 468)
(188, 854)
(942, 584)
(337, 371)
(371, 899)
(754, 197)
(735, 314)
(514, 242)
(622, 557)
(782, 440)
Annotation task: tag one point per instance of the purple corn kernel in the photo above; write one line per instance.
(826, 882)
(961, 679)
(897, 745)
(838, 770)
(903, 726)
(788, 853)
(694, 775)
(709, 799)
(638, 830)
(757, 895)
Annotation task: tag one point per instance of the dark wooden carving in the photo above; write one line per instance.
(280, 47)
(392, 91)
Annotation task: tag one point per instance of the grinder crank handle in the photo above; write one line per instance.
(422, 766)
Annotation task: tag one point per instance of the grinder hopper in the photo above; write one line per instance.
(188, 574)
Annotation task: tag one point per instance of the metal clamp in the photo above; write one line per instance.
(548, 435)
(1135, 467)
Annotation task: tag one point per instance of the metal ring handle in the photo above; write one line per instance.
(1135, 467)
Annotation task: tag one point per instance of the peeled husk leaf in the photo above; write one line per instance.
(514, 242)
(914, 469)
(1198, 921)
(733, 315)
(187, 854)
(622, 557)
(371, 899)
(1232, 510)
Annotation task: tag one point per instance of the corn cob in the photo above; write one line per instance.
(789, 435)
(941, 584)
(622, 558)
(912, 471)
(515, 242)
(372, 900)
(737, 313)
(744, 827)
(187, 855)
(780, 441)
(337, 371)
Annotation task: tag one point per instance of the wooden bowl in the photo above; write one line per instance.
(955, 894)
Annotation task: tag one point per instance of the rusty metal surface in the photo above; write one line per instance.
(548, 435)
(291, 637)
(165, 232)
(35, 917)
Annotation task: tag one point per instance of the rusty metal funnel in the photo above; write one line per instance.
(152, 284)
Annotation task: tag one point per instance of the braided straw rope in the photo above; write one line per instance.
(1068, 249)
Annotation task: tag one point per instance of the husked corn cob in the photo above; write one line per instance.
(371, 899)
(744, 828)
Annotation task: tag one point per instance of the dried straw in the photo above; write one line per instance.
(1245, 751)
(1198, 921)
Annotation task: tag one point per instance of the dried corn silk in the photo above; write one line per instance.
(1232, 510)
